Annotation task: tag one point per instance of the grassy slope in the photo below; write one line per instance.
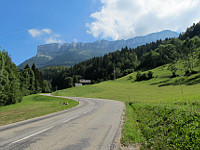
(33, 106)
(162, 90)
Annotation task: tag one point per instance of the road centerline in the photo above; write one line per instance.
(26, 137)
(71, 118)
(96, 120)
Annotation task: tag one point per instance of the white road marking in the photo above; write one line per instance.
(45, 129)
(88, 111)
(71, 118)
(32, 135)
(76, 116)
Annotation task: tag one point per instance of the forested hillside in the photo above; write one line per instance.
(68, 54)
(161, 113)
(184, 49)
(191, 32)
(15, 84)
(99, 69)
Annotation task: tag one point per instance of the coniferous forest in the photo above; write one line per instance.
(15, 84)
(186, 49)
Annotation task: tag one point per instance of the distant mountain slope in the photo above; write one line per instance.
(68, 54)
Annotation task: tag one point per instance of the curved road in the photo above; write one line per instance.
(92, 125)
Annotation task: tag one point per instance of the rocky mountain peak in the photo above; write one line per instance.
(71, 53)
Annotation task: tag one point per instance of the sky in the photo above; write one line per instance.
(25, 24)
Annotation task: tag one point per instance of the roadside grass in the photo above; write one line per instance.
(33, 106)
(175, 126)
(131, 131)
(148, 105)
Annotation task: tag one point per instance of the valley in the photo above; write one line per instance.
(100, 75)
(156, 110)
(158, 82)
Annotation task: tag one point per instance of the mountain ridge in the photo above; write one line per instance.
(68, 54)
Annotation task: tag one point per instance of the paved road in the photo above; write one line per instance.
(92, 125)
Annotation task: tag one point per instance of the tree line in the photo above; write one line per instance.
(124, 61)
(97, 69)
(15, 84)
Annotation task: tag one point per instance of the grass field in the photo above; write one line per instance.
(162, 97)
(33, 106)
(159, 89)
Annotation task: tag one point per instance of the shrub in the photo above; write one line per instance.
(128, 71)
(130, 77)
(150, 74)
(188, 73)
(138, 76)
(144, 76)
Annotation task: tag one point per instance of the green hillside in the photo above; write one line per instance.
(180, 53)
(33, 106)
(68, 54)
(158, 82)
(161, 113)
(161, 95)
(40, 62)
(155, 89)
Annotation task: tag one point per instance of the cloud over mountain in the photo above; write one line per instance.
(119, 19)
(46, 34)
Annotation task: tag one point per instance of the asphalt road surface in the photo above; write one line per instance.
(92, 125)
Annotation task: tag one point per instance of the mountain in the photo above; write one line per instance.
(68, 54)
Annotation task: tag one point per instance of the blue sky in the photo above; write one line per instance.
(65, 18)
(25, 24)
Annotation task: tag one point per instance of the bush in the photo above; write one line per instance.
(128, 71)
(144, 76)
(188, 73)
(150, 74)
(138, 76)
(130, 77)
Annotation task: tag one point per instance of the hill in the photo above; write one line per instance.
(161, 113)
(120, 63)
(68, 54)
(161, 95)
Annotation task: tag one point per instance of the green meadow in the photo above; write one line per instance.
(161, 113)
(33, 106)
(162, 88)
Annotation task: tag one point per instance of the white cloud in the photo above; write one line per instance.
(35, 32)
(123, 19)
(48, 31)
(47, 35)
(38, 32)
(53, 39)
